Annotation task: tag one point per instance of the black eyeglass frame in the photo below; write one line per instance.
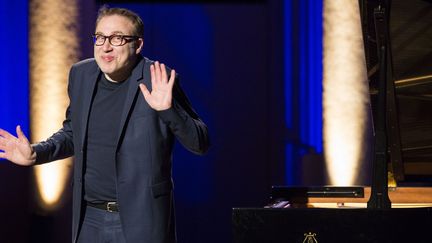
(124, 39)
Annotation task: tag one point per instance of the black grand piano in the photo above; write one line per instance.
(398, 49)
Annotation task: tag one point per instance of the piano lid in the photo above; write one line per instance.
(410, 35)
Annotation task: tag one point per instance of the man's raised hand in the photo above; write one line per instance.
(160, 98)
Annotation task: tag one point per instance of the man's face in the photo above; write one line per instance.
(116, 62)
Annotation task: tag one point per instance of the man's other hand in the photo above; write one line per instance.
(16, 149)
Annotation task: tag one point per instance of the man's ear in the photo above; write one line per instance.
(140, 45)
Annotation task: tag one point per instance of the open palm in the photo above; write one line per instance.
(16, 149)
(160, 98)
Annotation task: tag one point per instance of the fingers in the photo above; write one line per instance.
(158, 73)
(152, 74)
(144, 90)
(172, 78)
(164, 78)
(21, 135)
(6, 134)
(2, 146)
(155, 72)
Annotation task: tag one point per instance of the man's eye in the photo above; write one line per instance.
(117, 38)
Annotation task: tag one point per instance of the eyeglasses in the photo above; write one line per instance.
(115, 40)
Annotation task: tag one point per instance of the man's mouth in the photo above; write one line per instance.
(107, 58)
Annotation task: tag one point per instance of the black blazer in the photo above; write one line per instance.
(143, 156)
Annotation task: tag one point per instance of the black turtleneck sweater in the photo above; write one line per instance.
(102, 136)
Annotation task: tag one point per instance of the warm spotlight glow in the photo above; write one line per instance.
(345, 96)
(53, 49)
(50, 182)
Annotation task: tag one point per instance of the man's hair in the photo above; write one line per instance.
(133, 17)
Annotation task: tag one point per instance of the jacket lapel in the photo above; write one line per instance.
(87, 94)
(133, 89)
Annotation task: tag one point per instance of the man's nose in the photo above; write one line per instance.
(107, 46)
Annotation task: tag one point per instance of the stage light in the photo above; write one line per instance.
(54, 47)
(346, 93)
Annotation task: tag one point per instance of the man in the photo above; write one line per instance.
(123, 116)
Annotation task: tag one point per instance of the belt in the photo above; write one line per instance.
(108, 206)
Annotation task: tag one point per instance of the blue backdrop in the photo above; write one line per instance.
(14, 98)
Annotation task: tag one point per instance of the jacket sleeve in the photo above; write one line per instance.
(185, 123)
(60, 144)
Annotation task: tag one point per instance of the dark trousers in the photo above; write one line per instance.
(101, 226)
